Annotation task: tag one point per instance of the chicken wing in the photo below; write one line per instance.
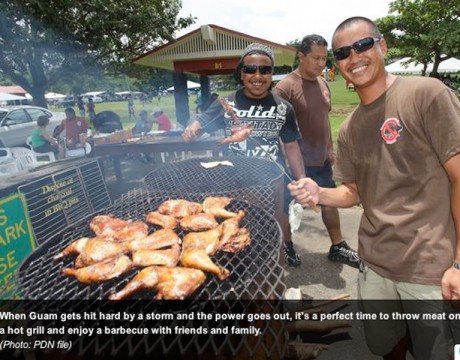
(157, 240)
(165, 221)
(106, 225)
(168, 257)
(207, 240)
(197, 258)
(171, 283)
(199, 222)
(101, 271)
(179, 208)
(216, 207)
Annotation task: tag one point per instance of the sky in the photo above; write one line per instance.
(280, 21)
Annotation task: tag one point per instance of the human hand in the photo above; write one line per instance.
(450, 285)
(306, 192)
(192, 132)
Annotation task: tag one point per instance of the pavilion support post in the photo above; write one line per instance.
(181, 98)
(205, 90)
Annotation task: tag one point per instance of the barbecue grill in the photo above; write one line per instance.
(255, 275)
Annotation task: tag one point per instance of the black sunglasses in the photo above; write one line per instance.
(359, 46)
(251, 69)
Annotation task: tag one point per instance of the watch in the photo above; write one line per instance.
(456, 264)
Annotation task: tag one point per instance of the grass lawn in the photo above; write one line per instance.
(343, 101)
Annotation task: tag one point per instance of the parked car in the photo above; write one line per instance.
(96, 99)
(18, 122)
(68, 101)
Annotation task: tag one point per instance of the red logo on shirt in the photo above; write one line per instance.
(391, 130)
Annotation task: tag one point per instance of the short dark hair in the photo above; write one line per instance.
(375, 32)
(70, 110)
(43, 120)
(309, 40)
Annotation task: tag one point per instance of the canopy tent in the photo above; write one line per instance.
(10, 97)
(190, 85)
(405, 66)
(54, 96)
(122, 93)
(93, 93)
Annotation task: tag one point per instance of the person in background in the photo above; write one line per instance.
(199, 102)
(310, 96)
(273, 120)
(131, 111)
(143, 125)
(81, 106)
(160, 118)
(73, 127)
(42, 141)
(399, 156)
(91, 109)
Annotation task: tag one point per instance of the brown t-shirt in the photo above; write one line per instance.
(394, 150)
(311, 102)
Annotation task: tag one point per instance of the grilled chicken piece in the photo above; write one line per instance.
(107, 225)
(206, 240)
(230, 227)
(180, 208)
(73, 248)
(145, 279)
(238, 242)
(102, 271)
(238, 133)
(97, 250)
(168, 257)
(176, 283)
(157, 240)
(216, 207)
(199, 222)
(197, 258)
(165, 221)
(132, 231)
(171, 283)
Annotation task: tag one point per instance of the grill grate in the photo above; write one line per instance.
(257, 181)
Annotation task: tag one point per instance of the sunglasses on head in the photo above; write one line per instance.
(251, 69)
(359, 46)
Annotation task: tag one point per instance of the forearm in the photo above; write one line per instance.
(295, 159)
(342, 196)
(455, 205)
(452, 167)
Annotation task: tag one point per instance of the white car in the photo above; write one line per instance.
(18, 122)
(96, 99)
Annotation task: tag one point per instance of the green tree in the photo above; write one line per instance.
(424, 30)
(42, 41)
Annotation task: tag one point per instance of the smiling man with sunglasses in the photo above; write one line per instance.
(273, 120)
(399, 156)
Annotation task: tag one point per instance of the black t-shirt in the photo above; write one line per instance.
(272, 116)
